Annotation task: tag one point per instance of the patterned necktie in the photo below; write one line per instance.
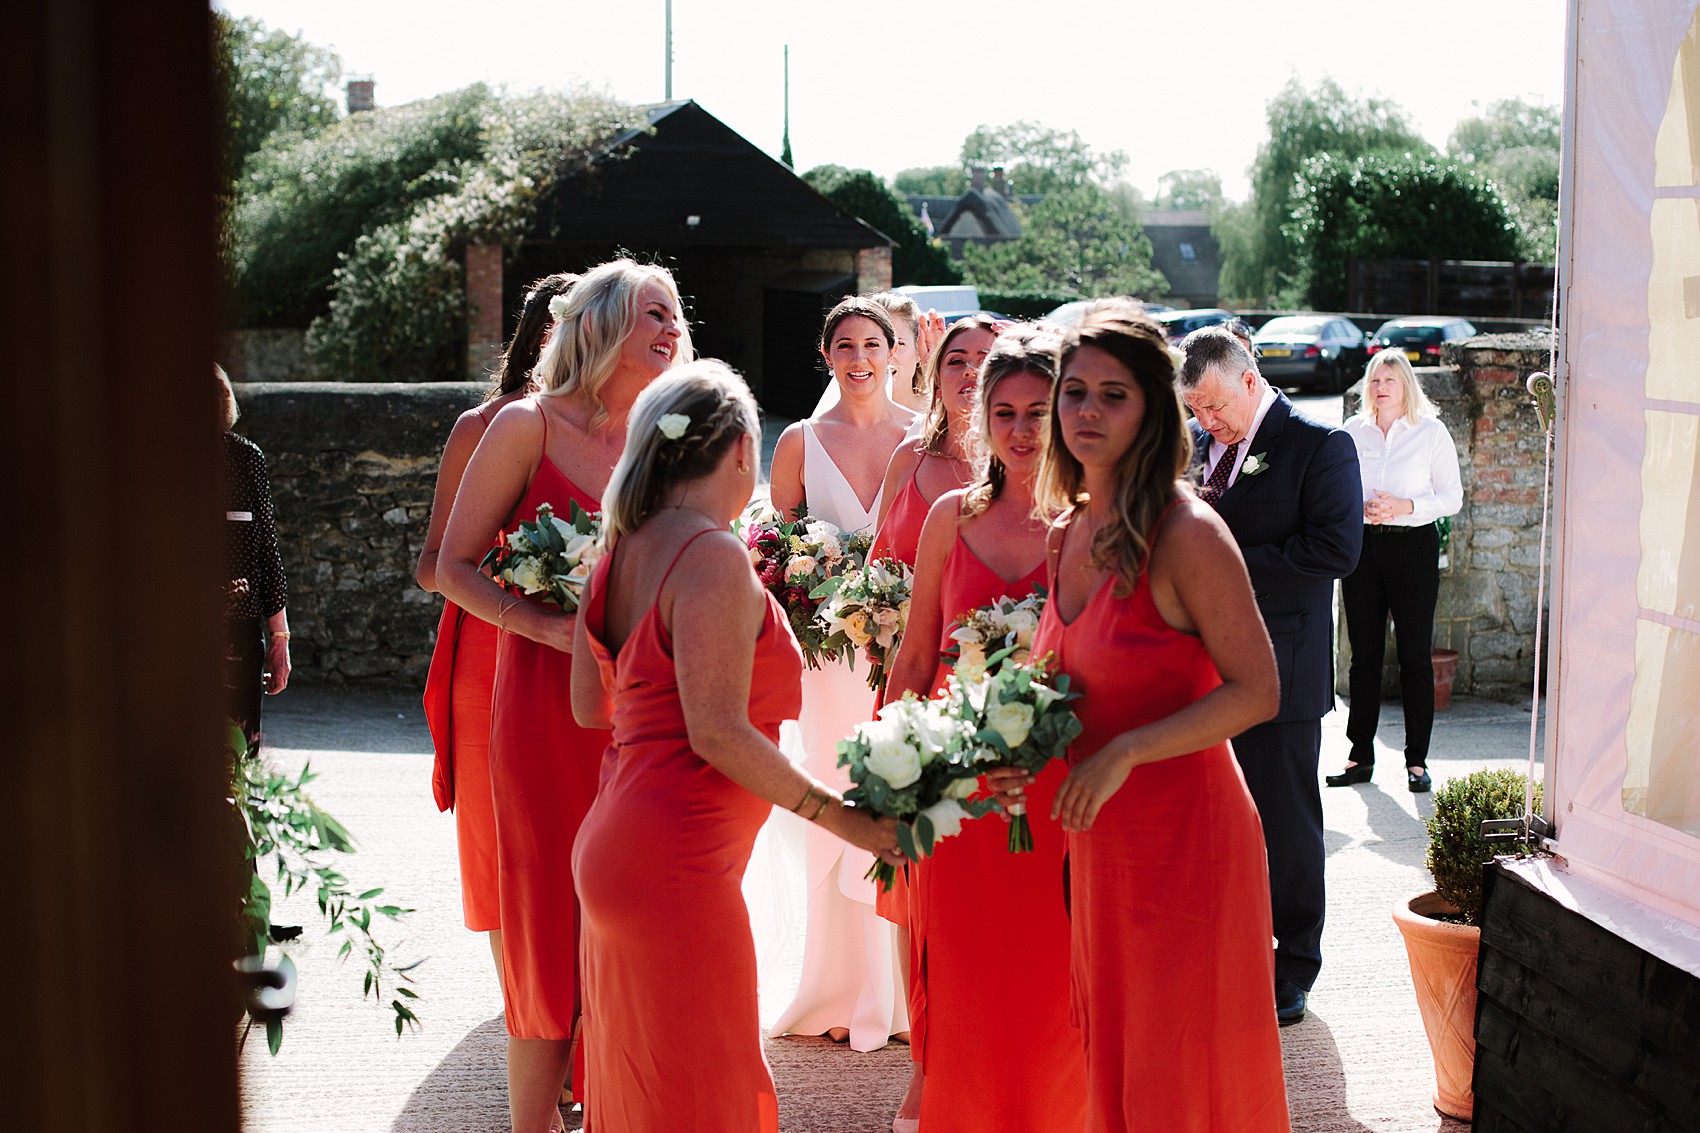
(1218, 482)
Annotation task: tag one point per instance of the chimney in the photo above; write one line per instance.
(999, 186)
(360, 95)
(977, 177)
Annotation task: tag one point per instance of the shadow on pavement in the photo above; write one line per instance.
(467, 1090)
(1316, 1079)
(321, 718)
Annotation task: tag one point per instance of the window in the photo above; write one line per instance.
(1188, 253)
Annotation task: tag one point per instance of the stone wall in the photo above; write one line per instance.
(1487, 609)
(353, 468)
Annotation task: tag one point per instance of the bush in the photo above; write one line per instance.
(917, 258)
(1456, 849)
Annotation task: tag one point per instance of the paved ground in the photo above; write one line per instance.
(1360, 1062)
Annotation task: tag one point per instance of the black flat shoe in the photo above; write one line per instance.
(1418, 781)
(1357, 773)
(1289, 1003)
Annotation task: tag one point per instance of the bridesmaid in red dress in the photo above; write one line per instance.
(695, 669)
(1151, 616)
(620, 328)
(463, 664)
(1011, 1061)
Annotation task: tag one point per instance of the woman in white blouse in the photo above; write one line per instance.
(1410, 479)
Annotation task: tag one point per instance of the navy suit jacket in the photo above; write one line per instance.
(1300, 526)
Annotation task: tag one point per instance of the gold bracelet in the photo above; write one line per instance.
(808, 793)
(823, 797)
(283, 633)
(502, 610)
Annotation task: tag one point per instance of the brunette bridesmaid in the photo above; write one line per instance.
(695, 669)
(1151, 616)
(620, 328)
(1011, 1061)
(463, 664)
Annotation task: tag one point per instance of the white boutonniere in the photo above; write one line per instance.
(1256, 463)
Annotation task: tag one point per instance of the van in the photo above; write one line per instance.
(952, 301)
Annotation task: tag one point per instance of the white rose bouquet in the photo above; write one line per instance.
(793, 560)
(867, 607)
(916, 763)
(551, 557)
(1004, 628)
(1019, 719)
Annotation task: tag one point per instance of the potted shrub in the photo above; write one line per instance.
(1440, 926)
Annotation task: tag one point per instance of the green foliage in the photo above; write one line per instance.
(1189, 189)
(1039, 159)
(1080, 240)
(1258, 259)
(932, 181)
(1516, 145)
(1391, 206)
(916, 258)
(272, 83)
(1456, 849)
(1507, 124)
(282, 826)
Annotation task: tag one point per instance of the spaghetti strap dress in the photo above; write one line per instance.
(457, 711)
(1012, 1060)
(1172, 975)
(850, 973)
(671, 1026)
(543, 774)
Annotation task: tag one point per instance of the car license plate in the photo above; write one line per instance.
(1414, 355)
(1276, 352)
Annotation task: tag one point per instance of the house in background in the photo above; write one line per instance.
(759, 255)
(982, 215)
(1186, 252)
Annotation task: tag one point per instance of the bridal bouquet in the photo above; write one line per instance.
(792, 560)
(550, 557)
(1018, 718)
(915, 763)
(867, 607)
(1004, 628)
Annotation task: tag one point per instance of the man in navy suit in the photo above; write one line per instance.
(1288, 488)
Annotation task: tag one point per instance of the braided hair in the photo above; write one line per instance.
(680, 428)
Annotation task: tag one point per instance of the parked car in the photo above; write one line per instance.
(1420, 337)
(1324, 352)
(1178, 324)
(951, 301)
(1070, 313)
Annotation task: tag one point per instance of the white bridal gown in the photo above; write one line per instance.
(850, 974)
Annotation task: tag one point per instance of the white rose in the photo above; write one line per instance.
(961, 788)
(932, 729)
(946, 815)
(564, 530)
(1022, 622)
(890, 756)
(578, 545)
(826, 535)
(801, 566)
(1045, 696)
(1012, 721)
(527, 574)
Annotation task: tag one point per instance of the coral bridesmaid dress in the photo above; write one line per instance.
(671, 1029)
(850, 972)
(1173, 977)
(1009, 1058)
(457, 710)
(543, 773)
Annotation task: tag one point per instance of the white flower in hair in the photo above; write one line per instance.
(558, 307)
(673, 425)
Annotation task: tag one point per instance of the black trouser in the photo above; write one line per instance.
(1398, 573)
(244, 673)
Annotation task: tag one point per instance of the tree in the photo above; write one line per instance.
(272, 83)
(932, 181)
(1039, 159)
(1391, 206)
(1517, 145)
(1189, 189)
(916, 258)
(1258, 260)
(1078, 240)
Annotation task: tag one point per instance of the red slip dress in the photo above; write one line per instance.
(543, 773)
(1010, 1058)
(1172, 972)
(671, 1024)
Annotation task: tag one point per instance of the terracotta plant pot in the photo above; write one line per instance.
(1443, 971)
(1445, 672)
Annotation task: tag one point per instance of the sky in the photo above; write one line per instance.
(889, 86)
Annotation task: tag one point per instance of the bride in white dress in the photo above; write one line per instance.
(834, 463)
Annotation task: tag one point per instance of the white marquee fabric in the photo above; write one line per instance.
(1624, 733)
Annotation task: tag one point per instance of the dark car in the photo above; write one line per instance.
(1325, 353)
(1178, 324)
(1420, 338)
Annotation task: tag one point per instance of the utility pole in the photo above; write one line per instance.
(785, 145)
(669, 50)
